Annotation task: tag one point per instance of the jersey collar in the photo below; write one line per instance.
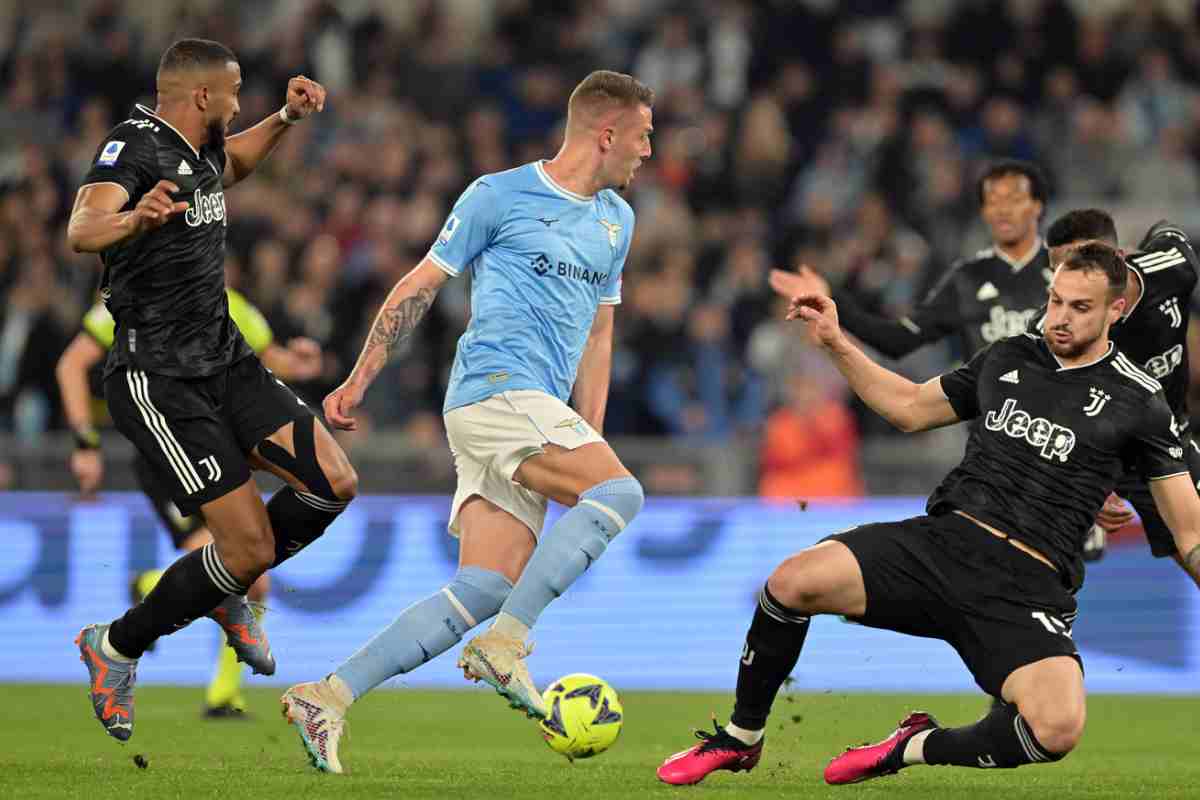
(1018, 264)
(556, 188)
(1061, 368)
(147, 112)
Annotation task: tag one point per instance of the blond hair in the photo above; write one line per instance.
(603, 91)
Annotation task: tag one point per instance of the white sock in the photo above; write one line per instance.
(342, 694)
(744, 736)
(510, 626)
(914, 748)
(112, 652)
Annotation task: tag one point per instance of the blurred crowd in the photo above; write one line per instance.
(845, 135)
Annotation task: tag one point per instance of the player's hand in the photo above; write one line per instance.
(1114, 514)
(88, 468)
(340, 404)
(304, 96)
(156, 207)
(306, 358)
(820, 316)
(793, 284)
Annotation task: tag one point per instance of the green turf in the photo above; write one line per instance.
(451, 745)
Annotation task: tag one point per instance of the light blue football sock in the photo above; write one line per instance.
(426, 629)
(566, 551)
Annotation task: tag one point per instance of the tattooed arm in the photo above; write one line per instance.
(403, 309)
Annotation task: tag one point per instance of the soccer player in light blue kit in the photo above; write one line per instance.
(545, 244)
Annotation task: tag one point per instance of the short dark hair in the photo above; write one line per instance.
(1097, 256)
(1014, 166)
(1081, 225)
(604, 89)
(195, 54)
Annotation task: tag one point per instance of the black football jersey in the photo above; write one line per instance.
(1153, 332)
(983, 299)
(1048, 443)
(166, 288)
(978, 301)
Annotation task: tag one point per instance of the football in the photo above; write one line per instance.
(585, 716)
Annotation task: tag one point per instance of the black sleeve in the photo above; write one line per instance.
(1037, 323)
(896, 338)
(961, 385)
(129, 158)
(1156, 450)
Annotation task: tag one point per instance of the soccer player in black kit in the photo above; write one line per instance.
(993, 294)
(1152, 332)
(180, 381)
(992, 567)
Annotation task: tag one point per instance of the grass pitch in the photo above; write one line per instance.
(468, 744)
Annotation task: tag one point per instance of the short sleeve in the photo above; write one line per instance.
(250, 321)
(469, 229)
(99, 324)
(961, 385)
(1156, 451)
(610, 294)
(128, 158)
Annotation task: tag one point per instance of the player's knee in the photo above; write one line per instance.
(620, 499)
(477, 593)
(1057, 728)
(795, 586)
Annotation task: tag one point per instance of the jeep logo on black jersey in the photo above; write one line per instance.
(1053, 441)
(1003, 323)
(1163, 365)
(205, 208)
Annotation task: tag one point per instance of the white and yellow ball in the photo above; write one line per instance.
(585, 716)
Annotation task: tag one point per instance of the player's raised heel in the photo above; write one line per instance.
(245, 634)
(500, 662)
(111, 682)
(859, 764)
(319, 724)
(716, 751)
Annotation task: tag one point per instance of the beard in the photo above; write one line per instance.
(216, 134)
(1072, 349)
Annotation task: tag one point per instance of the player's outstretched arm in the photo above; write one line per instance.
(595, 370)
(1177, 501)
(909, 406)
(245, 151)
(894, 338)
(97, 222)
(72, 374)
(403, 309)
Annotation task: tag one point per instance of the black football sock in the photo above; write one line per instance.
(190, 588)
(298, 519)
(1001, 739)
(768, 658)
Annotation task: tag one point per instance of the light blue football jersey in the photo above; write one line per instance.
(542, 260)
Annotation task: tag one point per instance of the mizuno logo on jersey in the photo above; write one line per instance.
(205, 208)
(1170, 307)
(1096, 401)
(987, 292)
(1011, 377)
(1052, 441)
(184, 169)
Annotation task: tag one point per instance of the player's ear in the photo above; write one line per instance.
(607, 138)
(200, 94)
